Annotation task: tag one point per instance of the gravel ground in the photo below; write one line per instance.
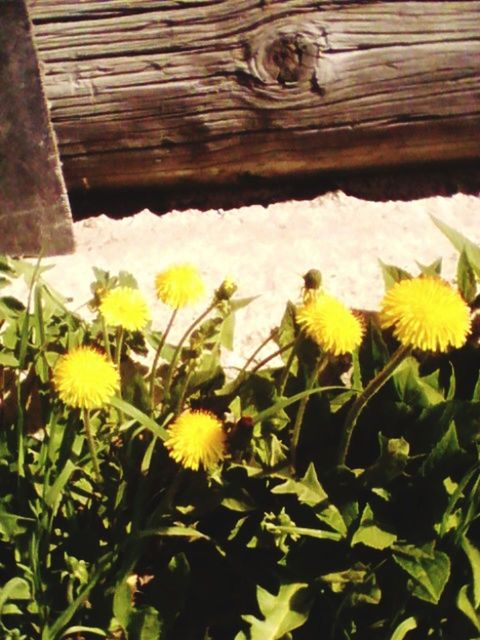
(266, 249)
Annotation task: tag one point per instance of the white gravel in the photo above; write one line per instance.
(267, 249)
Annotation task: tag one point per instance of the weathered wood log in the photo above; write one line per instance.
(34, 212)
(160, 91)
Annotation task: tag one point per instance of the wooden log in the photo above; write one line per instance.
(155, 92)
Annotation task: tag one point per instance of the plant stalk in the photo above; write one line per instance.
(157, 356)
(91, 444)
(282, 383)
(179, 346)
(362, 399)
(320, 365)
(106, 340)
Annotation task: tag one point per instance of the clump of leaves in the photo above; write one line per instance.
(342, 501)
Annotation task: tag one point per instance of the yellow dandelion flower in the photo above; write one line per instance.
(196, 439)
(85, 378)
(426, 313)
(330, 324)
(180, 285)
(125, 307)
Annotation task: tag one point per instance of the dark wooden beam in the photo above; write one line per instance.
(163, 91)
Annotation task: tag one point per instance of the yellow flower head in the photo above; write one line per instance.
(330, 324)
(196, 439)
(180, 285)
(85, 378)
(125, 307)
(426, 313)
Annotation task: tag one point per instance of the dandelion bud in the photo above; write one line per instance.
(312, 279)
(226, 290)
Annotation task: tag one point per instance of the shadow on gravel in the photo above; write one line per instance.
(405, 184)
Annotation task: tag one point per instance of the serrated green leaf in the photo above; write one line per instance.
(466, 607)
(282, 612)
(309, 491)
(371, 535)
(445, 449)
(430, 570)
(409, 624)
(433, 269)
(461, 244)
(466, 281)
(473, 555)
(339, 580)
(392, 274)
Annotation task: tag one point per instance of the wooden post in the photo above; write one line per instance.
(161, 91)
(34, 212)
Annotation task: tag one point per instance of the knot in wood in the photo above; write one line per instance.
(284, 60)
(288, 59)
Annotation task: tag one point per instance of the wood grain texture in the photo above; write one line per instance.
(160, 91)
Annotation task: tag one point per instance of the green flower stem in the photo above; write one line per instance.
(120, 336)
(179, 346)
(91, 444)
(106, 340)
(186, 382)
(359, 404)
(251, 358)
(273, 355)
(286, 370)
(157, 356)
(320, 365)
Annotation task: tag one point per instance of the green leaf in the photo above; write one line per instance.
(282, 612)
(429, 569)
(122, 603)
(177, 577)
(240, 501)
(409, 624)
(473, 555)
(286, 334)
(309, 491)
(14, 589)
(371, 535)
(177, 531)
(286, 402)
(54, 493)
(391, 462)
(392, 274)
(227, 332)
(146, 624)
(466, 282)
(79, 629)
(10, 524)
(461, 244)
(140, 417)
(413, 389)
(444, 450)
(8, 359)
(466, 607)
(433, 269)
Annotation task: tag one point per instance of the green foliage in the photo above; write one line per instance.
(276, 540)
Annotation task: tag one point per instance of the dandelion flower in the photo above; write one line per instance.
(85, 378)
(330, 324)
(125, 307)
(196, 439)
(180, 285)
(426, 313)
